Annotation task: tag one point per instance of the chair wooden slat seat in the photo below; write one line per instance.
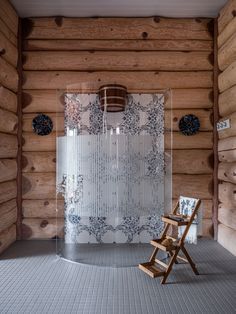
(157, 243)
(152, 269)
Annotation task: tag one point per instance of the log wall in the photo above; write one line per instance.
(146, 55)
(227, 137)
(8, 123)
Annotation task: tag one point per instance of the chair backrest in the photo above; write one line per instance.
(189, 206)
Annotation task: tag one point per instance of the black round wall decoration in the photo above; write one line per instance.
(42, 124)
(189, 124)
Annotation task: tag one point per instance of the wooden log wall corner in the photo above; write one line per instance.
(19, 136)
(135, 52)
(215, 133)
(9, 84)
(227, 137)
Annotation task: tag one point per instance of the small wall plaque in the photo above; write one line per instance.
(222, 125)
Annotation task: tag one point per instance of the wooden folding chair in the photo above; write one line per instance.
(157, 268)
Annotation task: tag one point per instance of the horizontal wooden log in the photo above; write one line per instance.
(7, 191)
(42, 186)
(227, 193)
(227, 78)
(118, 28)
(57, 120)
(184, 161)
(227, 171)
(117, 61)
(8, 99)
(39, 162)
(35, 228)
(46, 208)
(8, 122)
(7, 237)
(192, 161)
(190, 98)
(227, 53)
(8, 169)
(50, 208)
(207, 228)
(226, 14)
(202, 140)
(138, 81)
(8, 75)
(53, 100)
(8, 50)
(229, 131)
(172, 118)
(8, 214)
(39, 186)
(227, 238)
(8, 33)
(48, 228)
(228, 156)
(227, 216)
(9, 16)
(8, 145)
(227, 144)
(206, 208)
(120, 45)
(228, 31)
(43, 101)
(198, 186)
(227, 102)
(35, 143)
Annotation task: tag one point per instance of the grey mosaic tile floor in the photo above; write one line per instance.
(34, 280)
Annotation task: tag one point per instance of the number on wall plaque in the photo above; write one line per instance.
(225, 124)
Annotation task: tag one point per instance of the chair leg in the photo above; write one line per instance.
(190, 260)
(173, 259)
(154, 253)
(171, 254)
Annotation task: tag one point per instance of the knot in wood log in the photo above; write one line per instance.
(157, 19)
(144, 35)
(59, 21)
(2, 51)
(44, 224)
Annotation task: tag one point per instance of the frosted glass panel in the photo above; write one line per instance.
(103, 175)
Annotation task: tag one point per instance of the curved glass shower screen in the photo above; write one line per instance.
(113, 171)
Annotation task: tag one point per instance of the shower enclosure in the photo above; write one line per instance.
(114, 174)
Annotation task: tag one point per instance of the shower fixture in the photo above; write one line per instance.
(113, 97)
